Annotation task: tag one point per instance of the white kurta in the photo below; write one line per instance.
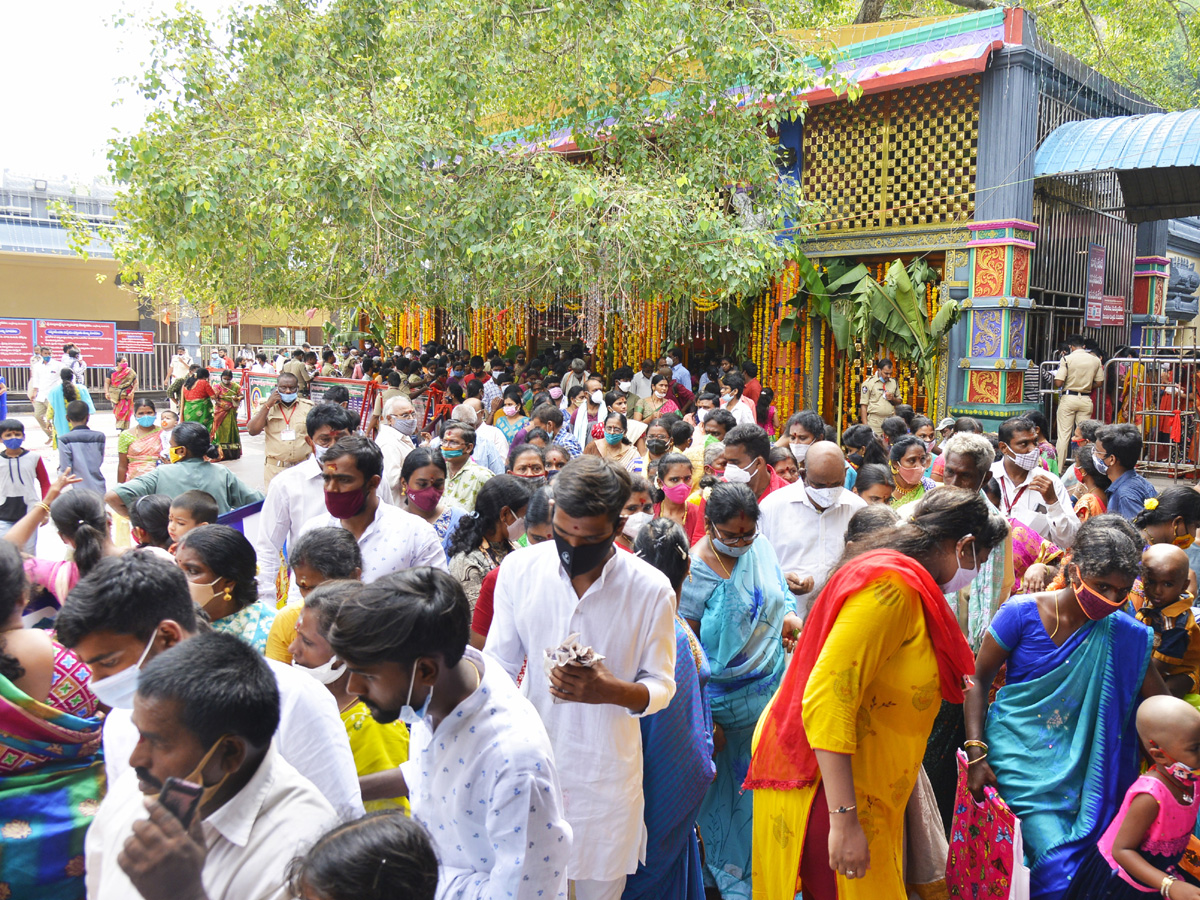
(806, 541)
(485, 786)
(628, 616)
(250, 840)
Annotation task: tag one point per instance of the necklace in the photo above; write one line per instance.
(717, 555)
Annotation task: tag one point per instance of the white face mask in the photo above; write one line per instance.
(635, 523)
(327, 673)
(408, 715)
(824, 497)
(117, 690)
(597, 396)
(319, 452)
(799, 451)
(516, 529)
(1027, 461)
(737, 475)
(962, 577)
(624, 386)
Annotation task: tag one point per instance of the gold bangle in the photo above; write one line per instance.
(41, 504)
(976, 759)
(1165, 887)
(980, 744)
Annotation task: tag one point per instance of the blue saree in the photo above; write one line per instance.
(741, 625)
(677, 766)
(1063, 744)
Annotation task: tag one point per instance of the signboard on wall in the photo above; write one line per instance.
(1093, 314)
(16, 341)
(135, 342)
(97, 341)
(1113, 312)
(231, 317)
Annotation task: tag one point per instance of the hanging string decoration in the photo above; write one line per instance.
(781, 363)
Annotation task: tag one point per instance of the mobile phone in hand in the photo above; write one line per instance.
(181, 797)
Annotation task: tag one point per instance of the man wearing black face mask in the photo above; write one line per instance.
(578, 586)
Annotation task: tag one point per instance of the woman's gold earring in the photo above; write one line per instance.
(228, 593)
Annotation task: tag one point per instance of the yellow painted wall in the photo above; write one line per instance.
(37, 286)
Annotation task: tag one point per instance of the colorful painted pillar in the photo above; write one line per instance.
(993, 327)
(1150, 277)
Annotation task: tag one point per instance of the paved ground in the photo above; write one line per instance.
(249, 468)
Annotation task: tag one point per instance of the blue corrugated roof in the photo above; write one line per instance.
(22, 235)
(1156, 158)
(1160, 140)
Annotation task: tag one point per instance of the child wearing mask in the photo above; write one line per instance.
(23, 479)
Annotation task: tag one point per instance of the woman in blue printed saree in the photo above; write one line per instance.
(677, 748)
(1059, 742)
(737, 600)
(51, 774)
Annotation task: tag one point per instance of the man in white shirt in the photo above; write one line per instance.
(640, 385)
(399, 423)
(485, 433)
(1029, 492)
(578, 585)
(732, 386)
(206, 712)
(131, 608)
(480, 772)
(297, 495)
(485, 452)
(42, 377)
(390, 539)
(261, 366)
(806, 522)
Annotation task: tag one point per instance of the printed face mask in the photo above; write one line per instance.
(1099, 463)
(824, 497)
(1095, 606)
(405, 426)
(1027, 461)
(426, 498)
(583, 559)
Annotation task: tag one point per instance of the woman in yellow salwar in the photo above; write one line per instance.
(838, 751)
(377, 748)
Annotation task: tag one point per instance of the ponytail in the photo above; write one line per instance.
(67, 377)
(79, 515)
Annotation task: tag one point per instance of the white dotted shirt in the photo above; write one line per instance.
(485, 786)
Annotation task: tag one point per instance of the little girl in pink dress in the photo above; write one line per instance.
(1138, 854)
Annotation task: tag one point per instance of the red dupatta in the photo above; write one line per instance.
(783, 758)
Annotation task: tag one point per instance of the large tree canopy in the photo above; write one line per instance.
(375, 152)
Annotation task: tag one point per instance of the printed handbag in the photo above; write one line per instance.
(987, 859)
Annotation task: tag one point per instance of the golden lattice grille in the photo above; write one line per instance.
(903, 158)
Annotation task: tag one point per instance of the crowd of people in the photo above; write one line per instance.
(599, 637)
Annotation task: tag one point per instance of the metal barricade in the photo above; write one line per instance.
(1159, 392)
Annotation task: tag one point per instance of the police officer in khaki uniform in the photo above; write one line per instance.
(284, 418)
(1078, 374)
(879, 396)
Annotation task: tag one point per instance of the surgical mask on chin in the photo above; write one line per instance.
(116, 691)
(736, 474)
(327, 673)
(1027, 461)
(962, 577)
(824, 497)
(722, 547)
(1100, 464)
(408, 715)
(635, 523)
(799, 451)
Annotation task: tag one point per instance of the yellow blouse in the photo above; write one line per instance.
(873, 693)
(376, 748)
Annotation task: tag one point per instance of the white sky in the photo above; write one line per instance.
(58, 82)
